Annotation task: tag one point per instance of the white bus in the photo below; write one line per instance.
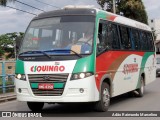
(85, 54)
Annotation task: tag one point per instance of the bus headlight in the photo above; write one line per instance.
(20, 76)
(76, 76)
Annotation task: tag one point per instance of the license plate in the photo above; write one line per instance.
(45, 86)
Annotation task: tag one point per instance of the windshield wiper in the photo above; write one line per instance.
(65, 50)
(44, 53)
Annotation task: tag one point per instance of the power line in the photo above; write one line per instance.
(29, 5)
(47, 4)
(20, 10)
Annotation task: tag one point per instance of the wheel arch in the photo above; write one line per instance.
(143, 75)
(107, 79)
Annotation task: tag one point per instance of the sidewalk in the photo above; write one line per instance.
(7, 97)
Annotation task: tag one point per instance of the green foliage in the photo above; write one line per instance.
(4, 2)
(133, 9)
(8, 43)
(5, 42)
(18, 41)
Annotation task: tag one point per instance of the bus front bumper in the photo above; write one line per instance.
(71, 92)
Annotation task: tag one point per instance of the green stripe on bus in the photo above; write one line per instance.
(85, 64)
(56, 85)
(19, 67)
(143, 65)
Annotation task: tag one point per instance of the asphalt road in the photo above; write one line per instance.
(150, 102)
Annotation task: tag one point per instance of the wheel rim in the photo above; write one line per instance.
(106, 97)
(142, 87)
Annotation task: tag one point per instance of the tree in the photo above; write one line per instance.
(4, 2)
(133, 9)
(8, 43)
(18, 41)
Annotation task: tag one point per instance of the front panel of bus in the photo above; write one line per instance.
(56, 60)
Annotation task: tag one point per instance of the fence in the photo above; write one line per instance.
(7, 73)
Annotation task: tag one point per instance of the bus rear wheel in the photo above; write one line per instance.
(140, 91)
(104, 102)
(35, 106)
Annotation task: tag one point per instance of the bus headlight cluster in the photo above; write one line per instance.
(76, 76)
(20, 76)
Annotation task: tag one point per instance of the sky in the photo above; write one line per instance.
(15, 21)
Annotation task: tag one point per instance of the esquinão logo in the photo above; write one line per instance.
(130, 68)
(47, 68)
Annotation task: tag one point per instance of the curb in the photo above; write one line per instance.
(7, 98)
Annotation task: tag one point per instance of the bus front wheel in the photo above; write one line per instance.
(104, 102)
(35, 106)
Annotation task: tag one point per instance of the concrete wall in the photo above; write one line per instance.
(9, 68)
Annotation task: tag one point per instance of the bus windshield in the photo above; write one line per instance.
(57, 34)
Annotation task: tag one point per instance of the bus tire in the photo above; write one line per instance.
(140, 90)
(35, 106)
(104, 102)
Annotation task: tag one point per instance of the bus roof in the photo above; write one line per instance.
(87, 10)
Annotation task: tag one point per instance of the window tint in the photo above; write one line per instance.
(150, 41)
(136, 39)
(101, 44)
(125, 41)
(144, 42)
(108, 36)
(112, 37)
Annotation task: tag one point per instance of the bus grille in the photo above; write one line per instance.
(48, 78)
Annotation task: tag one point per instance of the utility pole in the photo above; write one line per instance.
(15, 50)
(114, 7)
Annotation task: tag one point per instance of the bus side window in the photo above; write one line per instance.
(115, 40)
(125, 41)
(136, 39)
(112, 37)
(150, 41)
(144, 42)
(101, 46)
(108, 37)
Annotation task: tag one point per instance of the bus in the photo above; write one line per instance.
(82, 54)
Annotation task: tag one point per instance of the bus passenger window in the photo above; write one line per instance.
(108, 37)
(150, 41)
(125, 41)
(144, 42)
(113, 41)
(136, 39)
(101, 46)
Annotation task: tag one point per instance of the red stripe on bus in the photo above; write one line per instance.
(106, 61)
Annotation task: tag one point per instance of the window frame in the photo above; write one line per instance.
(102, 21)
(130, 28)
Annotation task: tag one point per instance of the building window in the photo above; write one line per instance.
(152, 21)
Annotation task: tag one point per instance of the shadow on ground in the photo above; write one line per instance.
(81, 109)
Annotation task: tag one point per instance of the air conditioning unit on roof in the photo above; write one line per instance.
(78, 6)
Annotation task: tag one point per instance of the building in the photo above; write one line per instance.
(155, 26)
